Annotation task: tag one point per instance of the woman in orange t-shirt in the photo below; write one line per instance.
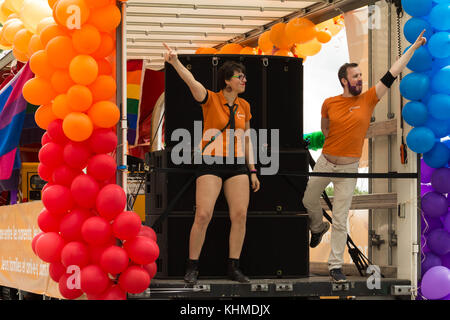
(222, 110)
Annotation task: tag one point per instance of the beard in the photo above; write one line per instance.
(354, 91)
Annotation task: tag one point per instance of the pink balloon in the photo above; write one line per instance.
(75, 253)
(48, 222)
(49, 247)
(111, 201)
(70, 226)
(96, 231)
(51, 155)
(142, 250)
(57, 199)
(103, 141)
(126, 225)
(114, 260)
(76, 154)
(94, 280)
(84, 190)
(134, 280)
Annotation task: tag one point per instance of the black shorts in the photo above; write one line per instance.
(224, 170)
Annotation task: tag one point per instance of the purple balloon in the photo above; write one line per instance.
(436, 283)
(425, 172)
(425, 188)
(434, 204)
(431, 224)
(446, 298)
(446, 260)
(439, 241)
(440, 180)
(431, 260)
(446, 222)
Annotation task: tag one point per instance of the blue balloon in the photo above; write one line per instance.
(414, 86)
(440, 63)
(441, 81)
(427, 98)
(414, 26)
(439, 106)
(415, 113)
(420, 139)
(417, 8)
(420, 61)
(438, 156)
(441, 1)
(440, 128)
(440, 17)
(439, 45)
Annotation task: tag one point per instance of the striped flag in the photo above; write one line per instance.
(135, 79)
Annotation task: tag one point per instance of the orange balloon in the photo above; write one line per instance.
(50, 32)
(300, 30)
(332, 25)
(206, 51)
(3, 42)
(44, 23)
(104, 67)
(61, 81)
(249, 50)
(105, 19)
(323, 36)
(87, 39)
(284, 53)
(44, 116)
(94, 4)
(40, 65)
(278, 36)
(38, 91)
(35, 45)
(264, 42)
(105, 48)
(60, 107)
(51, 3)
(77, 126)
(21, 40)
(83, 69)
(67, 17)
(79, 98)
(60, 52)
(104, 114)
(103, 88)
(10, 29)
(310, 48)
(19, 55)
(230, 48)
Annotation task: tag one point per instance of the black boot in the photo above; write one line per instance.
(191, 272)
(234, 273)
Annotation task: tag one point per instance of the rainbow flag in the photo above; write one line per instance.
(135, 79)
(12, 115)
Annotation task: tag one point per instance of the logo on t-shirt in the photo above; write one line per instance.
(240, 115)
(353, 108)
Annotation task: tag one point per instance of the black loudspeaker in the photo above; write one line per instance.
(274, 90)
(275, 246)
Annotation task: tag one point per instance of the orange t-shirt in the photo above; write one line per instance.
(216, 115)
(349, 119)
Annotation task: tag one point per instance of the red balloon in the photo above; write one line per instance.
(56, 133)
(114, 293)
(64, 175)
(51, 155)
(103, 141)
(57, 199)
(94, 280)
(126, 225)
(142, 250)
(67, 293)
(114, 260)
(48, 222)
(49, 247)
(111, 201)
(84, 190)
(75, 253)
(151, 268)
(96, 252)
(70, 226)
(134, 280)
(146, 231)
(45, 139)
(45, 172)
(96, 231)
(35, 239)
(56, 270)
(47, 185)
(102, 167)
(76, 154)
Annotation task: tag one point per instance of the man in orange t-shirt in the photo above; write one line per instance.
(345, 120)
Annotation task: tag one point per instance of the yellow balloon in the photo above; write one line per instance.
(10, 29)
(309, 48)
(16, 5)
(8, 5)
(4, 12)
(44, 23)
(33, 12)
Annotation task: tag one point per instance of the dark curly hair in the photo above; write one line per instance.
(226, 71)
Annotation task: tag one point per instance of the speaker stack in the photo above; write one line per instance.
(276, 241)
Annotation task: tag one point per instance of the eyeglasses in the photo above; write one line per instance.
(240, 77)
